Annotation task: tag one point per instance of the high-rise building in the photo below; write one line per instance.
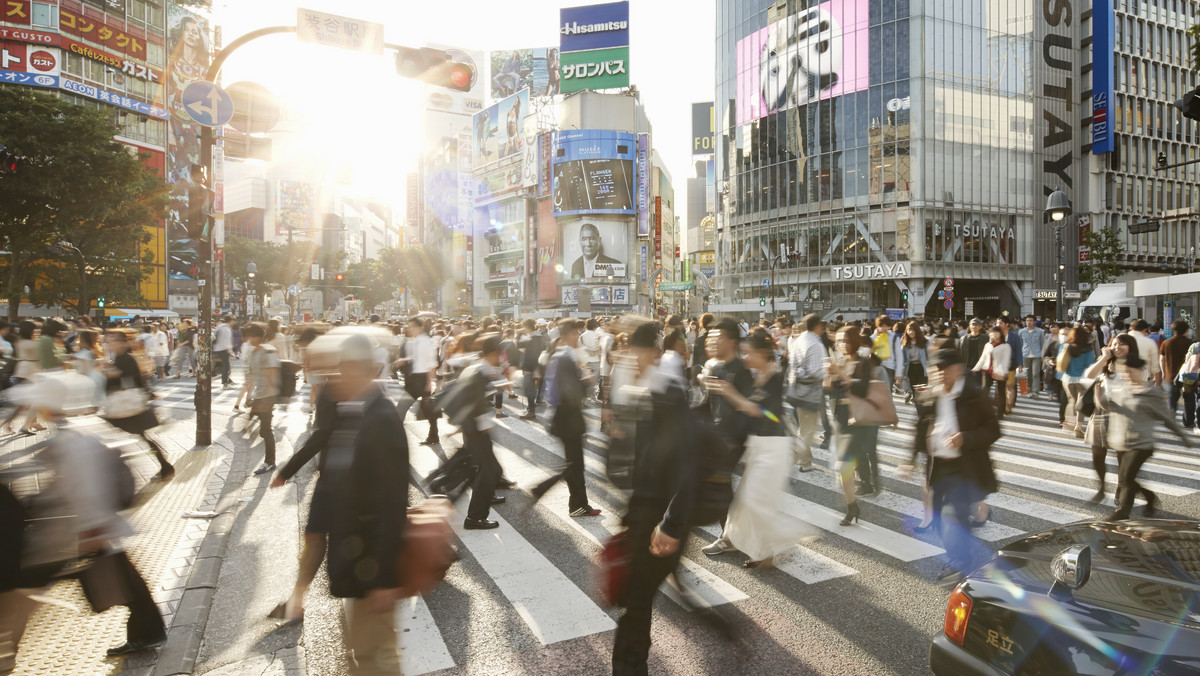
(867, 151)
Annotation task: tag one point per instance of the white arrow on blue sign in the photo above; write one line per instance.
(207, 104)
(293, 289)
(766, 282)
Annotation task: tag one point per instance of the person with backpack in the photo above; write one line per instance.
(262, 375)
(532, 344)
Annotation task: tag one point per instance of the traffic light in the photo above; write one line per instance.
(196, 217)
(1189, 105)
(762, 301)
(340, 277)
(9, 161)
(99, 302)
(1161, 161)
(904, 295)
(451, 68)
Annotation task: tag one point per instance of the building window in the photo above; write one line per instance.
(45, 15)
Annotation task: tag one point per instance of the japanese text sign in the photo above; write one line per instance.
(343, 32)
(87, 28)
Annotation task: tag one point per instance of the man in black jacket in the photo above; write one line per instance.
(570, 388)
(732, 425)
(366, 462)
(956, 426)
(664, 490)
(533, 344)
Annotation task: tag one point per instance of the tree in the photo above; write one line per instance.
(275, 269)
(1102, 266)
(75, 185)
(1193, 32)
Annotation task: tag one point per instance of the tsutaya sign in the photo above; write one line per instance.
(977, 229)
(871, 271)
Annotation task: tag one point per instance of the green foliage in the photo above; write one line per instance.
(79, 186)
(1105, 245)
(1194, 49)
(276, 269)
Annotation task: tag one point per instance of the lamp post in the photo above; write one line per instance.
(773, 262)
(251, 272)
(1058, 207)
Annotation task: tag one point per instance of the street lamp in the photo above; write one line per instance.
(1058, 207)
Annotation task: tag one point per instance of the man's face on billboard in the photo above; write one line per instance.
(589, 241)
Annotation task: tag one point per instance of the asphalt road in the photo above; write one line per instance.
(858, 600)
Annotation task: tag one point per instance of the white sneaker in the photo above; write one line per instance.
(717, 547)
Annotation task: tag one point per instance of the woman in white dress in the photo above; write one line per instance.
(757, 525)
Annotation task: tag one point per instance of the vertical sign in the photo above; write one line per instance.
(703, 128)
(1168, 318)
(412, 205)
(544, 174)
(1103, 46)
(643, 184)
(657, 229)
(1085, 226)
(645, 263)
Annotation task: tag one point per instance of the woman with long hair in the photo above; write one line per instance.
(28, 366)
(757, 525)
(851, 371)
(1074, 358)
(124, 374)
(1134, 407)
(85, 356)
(912, 362)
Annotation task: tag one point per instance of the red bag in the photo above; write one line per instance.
(614, 569)
(427, 553)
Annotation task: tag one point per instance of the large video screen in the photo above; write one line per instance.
(593, 172)
(817, 53)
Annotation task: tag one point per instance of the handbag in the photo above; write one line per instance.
(126, 403)
(1087, 403)
(874, 410)
(427, 553)
(615, 559)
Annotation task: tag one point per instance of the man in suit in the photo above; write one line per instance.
(570, 386)
(956, 430)
(592, 249)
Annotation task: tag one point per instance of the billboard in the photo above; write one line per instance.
(1104, 44)
(703, 128)
(499, 130)
(594, 247)
(532, 69)
(188, 56)
(643, 184)
(440, 169)
(593, 172)
(27, 58)
(595, 69)
(817, 53)
(295, 206)
(594, 27)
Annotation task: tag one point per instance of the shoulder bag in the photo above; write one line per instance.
(874, 410)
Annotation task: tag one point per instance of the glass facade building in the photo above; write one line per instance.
(868, 149)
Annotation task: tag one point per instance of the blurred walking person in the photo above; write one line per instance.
(757, 525)
(805, 385)
(912, 365)
(664, 489)
(567, 390)
(127, 398)
(851, 370)
(1135, 408)
(1074, 358)
(532, 344)
(262, 374)
(993, 365)
(419, 365)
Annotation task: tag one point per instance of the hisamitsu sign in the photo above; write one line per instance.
(593, 27)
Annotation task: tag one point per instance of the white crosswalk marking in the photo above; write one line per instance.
(422, 648)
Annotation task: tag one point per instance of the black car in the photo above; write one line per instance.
(1089, 598)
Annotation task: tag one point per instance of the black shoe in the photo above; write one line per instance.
(499, 500)
(805, 470)
(480, 524)
(1151, 507)
(528, 416)
(165, 474)
(825, 444)
(429, 442)
(506, 483)
(949, 575)
(1099, 496)
(865, 489)
(1117, 515)
(851, 514)
(264, 469)
(130, 647)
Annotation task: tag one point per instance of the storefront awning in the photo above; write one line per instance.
(1108, 294)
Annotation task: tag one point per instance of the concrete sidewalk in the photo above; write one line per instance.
(178, 557)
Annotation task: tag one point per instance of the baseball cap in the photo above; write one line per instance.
(976, 320)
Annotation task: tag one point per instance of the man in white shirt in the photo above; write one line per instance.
(418, 365)
(222, 345)
(805, 378)
(589, 344)
(262, 375)
(1147, 349)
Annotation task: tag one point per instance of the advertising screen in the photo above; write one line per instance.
(498, 131)
(595, 247)
(532, 69)
(295, 206)
(703, 128)
(593, 172)
(817, 53)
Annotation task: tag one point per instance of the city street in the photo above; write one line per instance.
(858, 600)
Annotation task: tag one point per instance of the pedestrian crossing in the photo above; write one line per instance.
(1045, 475)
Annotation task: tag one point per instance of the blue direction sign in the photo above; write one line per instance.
(207, 104)
(949, 304)
(293, 289)
(766, 282)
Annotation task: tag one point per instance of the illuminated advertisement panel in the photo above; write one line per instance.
(817, 53)
(532, 69)
(593, 172)
(498, 130)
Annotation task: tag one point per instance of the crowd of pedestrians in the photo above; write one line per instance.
(684, 404)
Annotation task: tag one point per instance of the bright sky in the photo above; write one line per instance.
(362, 111)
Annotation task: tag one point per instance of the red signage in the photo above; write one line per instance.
(124, 65)
(92, 29)
(25, 35)
(17, 11)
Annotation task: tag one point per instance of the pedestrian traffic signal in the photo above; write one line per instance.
(99, 302)
(762, 301)
(451, 69)
(904, 295)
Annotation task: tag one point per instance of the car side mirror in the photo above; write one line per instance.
(1072, 568)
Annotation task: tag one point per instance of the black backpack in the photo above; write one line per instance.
(288, 372)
